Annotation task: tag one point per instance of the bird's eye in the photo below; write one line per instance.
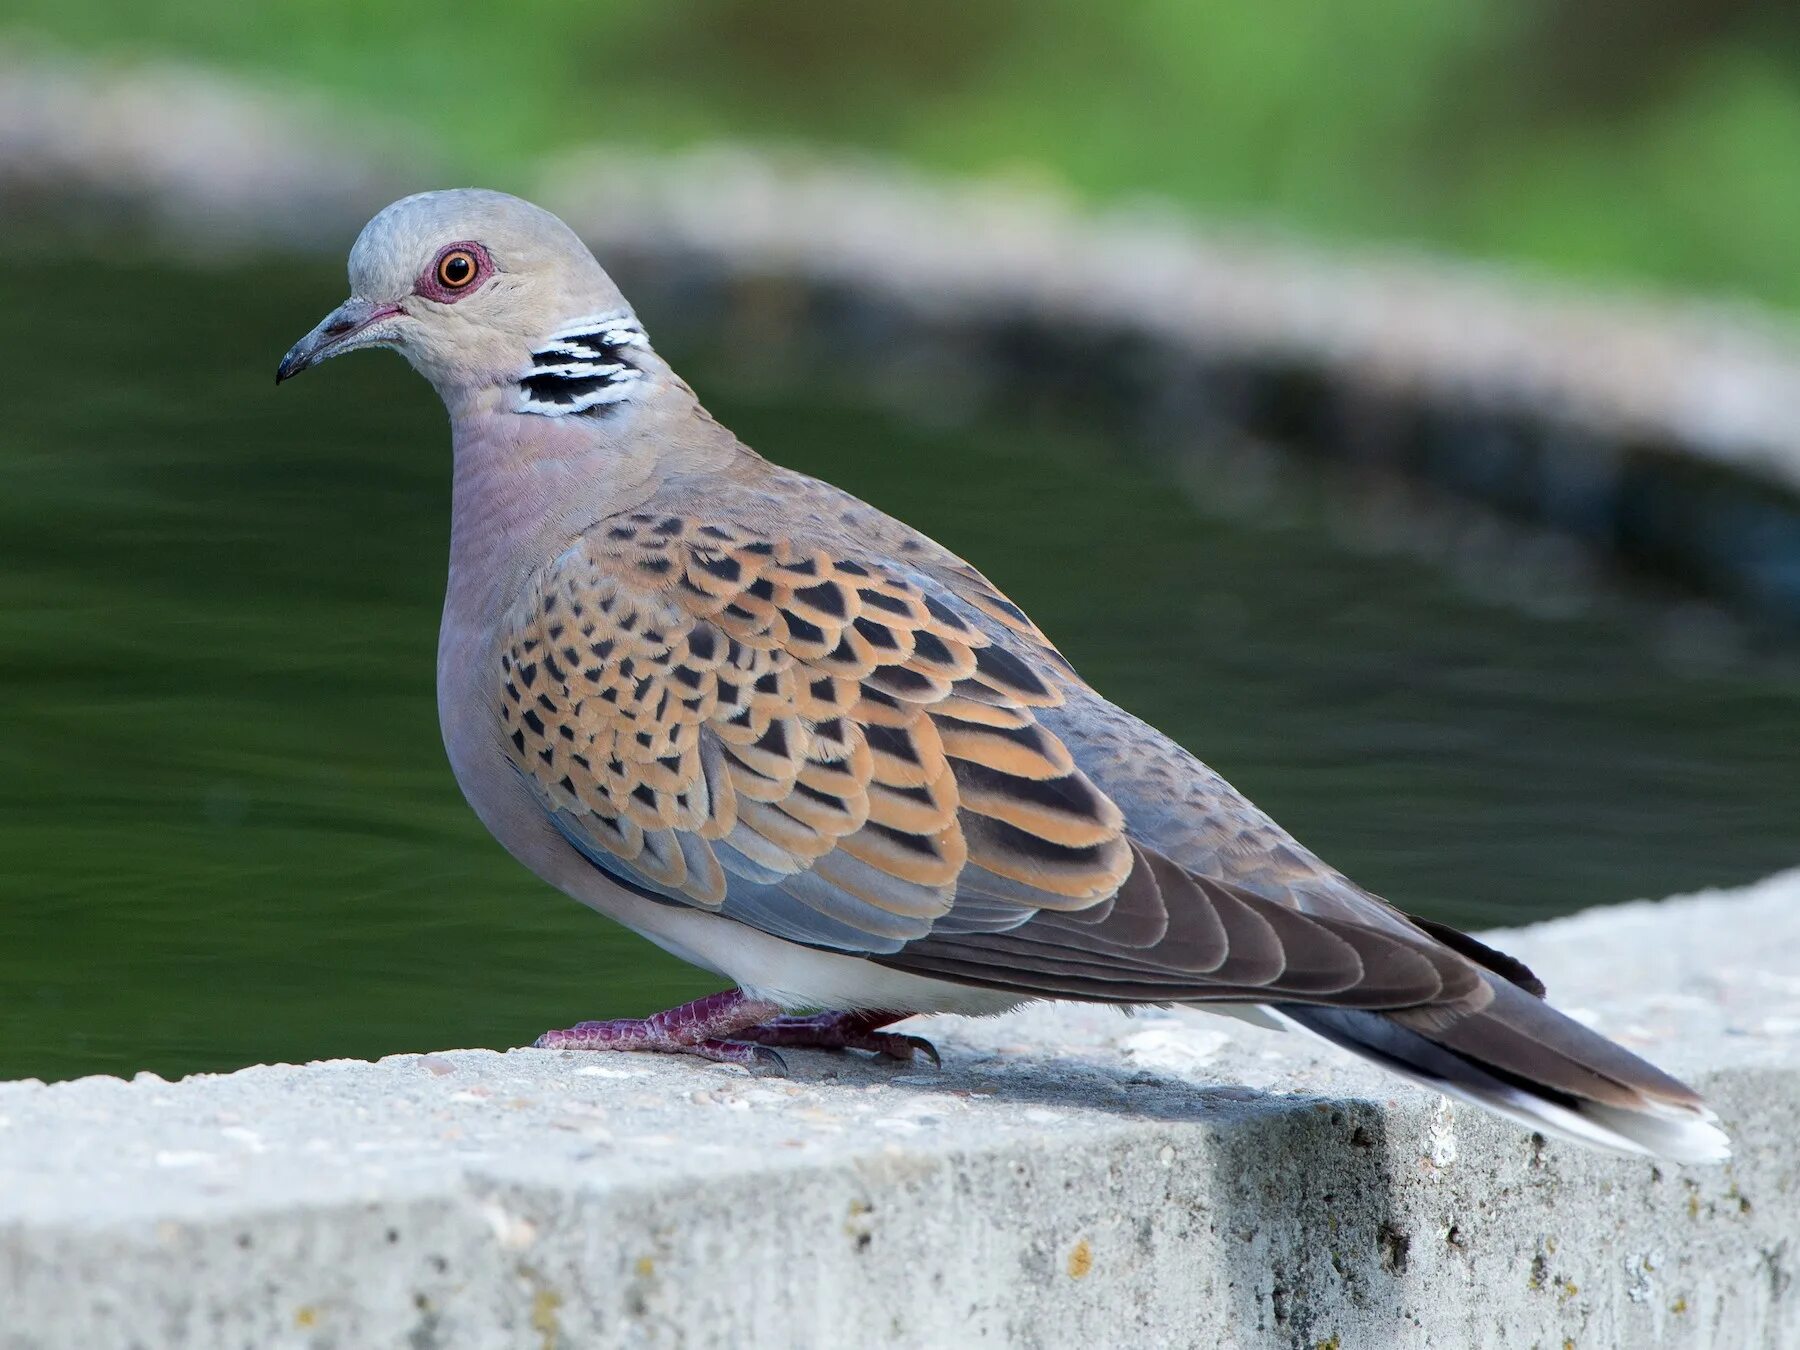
(456, 269)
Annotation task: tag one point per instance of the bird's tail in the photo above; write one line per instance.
(1521, 1058)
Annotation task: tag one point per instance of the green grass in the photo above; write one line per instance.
(1655, 146)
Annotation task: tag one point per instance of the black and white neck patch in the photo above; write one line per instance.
(583, 366)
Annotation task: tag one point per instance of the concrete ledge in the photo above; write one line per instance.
(1072, 1177)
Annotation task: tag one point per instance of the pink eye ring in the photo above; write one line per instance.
(457, 270)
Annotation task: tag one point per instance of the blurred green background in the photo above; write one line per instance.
(1652, 142)
(227, 832)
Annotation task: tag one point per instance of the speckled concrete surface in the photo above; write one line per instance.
(1071, 1177)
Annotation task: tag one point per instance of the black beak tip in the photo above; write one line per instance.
(290, 366)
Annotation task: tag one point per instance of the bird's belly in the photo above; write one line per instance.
(793, 975)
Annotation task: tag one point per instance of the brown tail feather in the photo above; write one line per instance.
(1519, 1057)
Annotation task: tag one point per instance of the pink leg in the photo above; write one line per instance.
(732, 1028)
(708, 1027)
(842, 1031)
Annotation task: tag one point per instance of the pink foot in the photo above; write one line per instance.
(708, 1028)
(843, 1031)
(730, 1028)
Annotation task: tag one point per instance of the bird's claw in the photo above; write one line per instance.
(762, 1061)
(844, 1031)
(895, 1045)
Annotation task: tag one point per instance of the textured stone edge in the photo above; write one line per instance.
(1071, 1178)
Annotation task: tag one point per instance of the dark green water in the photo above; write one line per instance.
(227, 833)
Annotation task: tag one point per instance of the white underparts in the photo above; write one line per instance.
(585, 364)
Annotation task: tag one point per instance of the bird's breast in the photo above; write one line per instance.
(468, 712)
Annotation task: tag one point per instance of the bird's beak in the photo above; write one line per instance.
(355, 323)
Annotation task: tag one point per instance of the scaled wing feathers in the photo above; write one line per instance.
(708, 711)
(851, 755)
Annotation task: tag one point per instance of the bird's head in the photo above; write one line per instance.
(483, 291)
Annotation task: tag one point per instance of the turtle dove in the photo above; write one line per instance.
(794, 741)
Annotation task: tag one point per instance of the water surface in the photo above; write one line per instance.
(228, 835)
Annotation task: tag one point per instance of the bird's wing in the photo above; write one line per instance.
(858, 755)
